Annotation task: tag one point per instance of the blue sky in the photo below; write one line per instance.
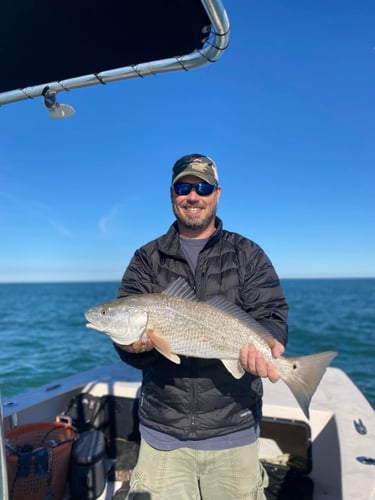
(287, 113)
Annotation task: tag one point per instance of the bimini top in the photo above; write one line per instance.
(47, 44)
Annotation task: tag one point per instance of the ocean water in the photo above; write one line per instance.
(43, 334)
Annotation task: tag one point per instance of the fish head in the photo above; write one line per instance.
(120, 319)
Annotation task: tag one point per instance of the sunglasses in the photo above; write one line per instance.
(201, 188)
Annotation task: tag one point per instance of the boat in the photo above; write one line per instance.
(329, 456)
(86, 424)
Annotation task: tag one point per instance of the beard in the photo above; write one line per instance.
(194, 222)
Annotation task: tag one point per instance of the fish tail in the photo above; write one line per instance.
(307, 372)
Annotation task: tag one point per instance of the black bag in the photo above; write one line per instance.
(287, 484)
(288, 473)
(116, 417)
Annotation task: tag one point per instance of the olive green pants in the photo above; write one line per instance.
(186, 474)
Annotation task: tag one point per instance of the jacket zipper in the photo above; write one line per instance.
(193, 400)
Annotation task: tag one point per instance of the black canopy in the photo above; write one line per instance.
(43, 41)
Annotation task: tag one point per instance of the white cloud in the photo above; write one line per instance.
(107, 220)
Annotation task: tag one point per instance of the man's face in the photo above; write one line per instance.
(195, 214)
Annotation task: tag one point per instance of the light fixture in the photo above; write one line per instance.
(56, 110)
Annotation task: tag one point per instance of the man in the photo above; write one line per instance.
(199, 425)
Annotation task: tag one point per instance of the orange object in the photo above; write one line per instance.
(37, 457)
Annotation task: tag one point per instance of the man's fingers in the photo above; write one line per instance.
(141, 345)
(247, 358)
(253, 361)
(277, 349)
(272, 373)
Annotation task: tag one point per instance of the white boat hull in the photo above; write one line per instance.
(333, 445)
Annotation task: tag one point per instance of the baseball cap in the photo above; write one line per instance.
(195, 164)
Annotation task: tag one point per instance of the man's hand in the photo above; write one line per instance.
(142, 345)
(253, 361)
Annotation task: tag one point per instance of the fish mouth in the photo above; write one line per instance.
(93, 327)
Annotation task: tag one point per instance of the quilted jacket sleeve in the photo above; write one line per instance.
(262, 295)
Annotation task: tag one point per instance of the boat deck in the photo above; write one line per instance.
(327, 445)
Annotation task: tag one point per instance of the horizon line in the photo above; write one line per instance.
(111, 280)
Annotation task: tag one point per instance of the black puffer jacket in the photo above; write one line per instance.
(199, 398)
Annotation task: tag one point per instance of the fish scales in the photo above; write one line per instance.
(179, 325)
(197, 329)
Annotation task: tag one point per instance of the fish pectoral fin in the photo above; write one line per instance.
(233, 366)
(163, 346)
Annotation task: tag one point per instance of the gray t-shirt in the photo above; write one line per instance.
(191, 249)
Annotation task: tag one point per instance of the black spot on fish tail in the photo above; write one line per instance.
(306, 375)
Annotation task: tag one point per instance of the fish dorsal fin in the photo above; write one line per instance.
(162, 345)
(224, 305)
(180, 288)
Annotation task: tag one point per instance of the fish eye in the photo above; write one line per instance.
(103, 312)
